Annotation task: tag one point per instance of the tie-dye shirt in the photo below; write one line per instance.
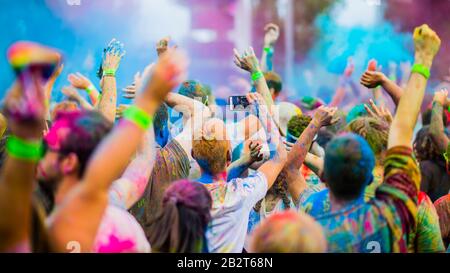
(319, 202)
(232, 203)
(171, 164)
(428, 236)
(385, 223)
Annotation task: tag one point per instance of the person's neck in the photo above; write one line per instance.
(338, 204)
(207, 178)
(65, 186)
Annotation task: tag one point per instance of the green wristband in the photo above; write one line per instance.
(268, 49)
(421, 69)
(109, 72)
(257, 75)
(448, 109)
(138, 117)
(22, 149)
(90, 89)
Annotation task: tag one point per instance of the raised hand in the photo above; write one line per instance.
(247, 61)
(112, 55)
(252, 151)
(168, 72)
(324, 116)
(130, 90)
(378, 112)
(120, 110)
(79, 81)
(372, 79)
(259, 104)
(426, 43)
(162, 45)
(441, 96)
(25, 105)
(70, 92)
(272, 32)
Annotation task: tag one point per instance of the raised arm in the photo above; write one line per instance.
(80, 214)
(344, 81)
(25, 109)
(79, 81)
(249, 62)
(296, 156)
(187, 106)
(72, 93)
(111, 60)
(312, 161)
(427, 44)
(250, 154)
(437, 123)
(272, 168)
(373, 79)
(272, 32)
(16, 187)
(129, 188)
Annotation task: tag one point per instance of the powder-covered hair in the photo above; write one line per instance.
(374, 131)
(349, 162)
(195, 90)
(182, 221)
(212, 155)
(288, 232)
(297, 124)
(64, 106)
(279, 189)
(78, 132)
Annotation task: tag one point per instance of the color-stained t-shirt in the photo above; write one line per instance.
(119, 232)
(232, 203)
(171, 164)
(428, 236)
(318, 202)
(385, 223)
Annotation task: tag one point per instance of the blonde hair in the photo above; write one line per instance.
(288, 232)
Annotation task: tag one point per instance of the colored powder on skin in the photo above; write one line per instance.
(115, 245)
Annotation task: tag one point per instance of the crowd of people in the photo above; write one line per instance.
(170, 173)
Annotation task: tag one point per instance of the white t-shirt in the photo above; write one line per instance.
(119, 232)
(232, 203)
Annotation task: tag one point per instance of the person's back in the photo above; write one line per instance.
(180, 225)
(232, 203)
(383, 223)
(171, 164)
(119, 232)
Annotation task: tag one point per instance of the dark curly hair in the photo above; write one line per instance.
(374, 131)
(279, 189)
(425, 148)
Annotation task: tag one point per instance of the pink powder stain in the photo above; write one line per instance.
(57, 133)
(115, 245)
